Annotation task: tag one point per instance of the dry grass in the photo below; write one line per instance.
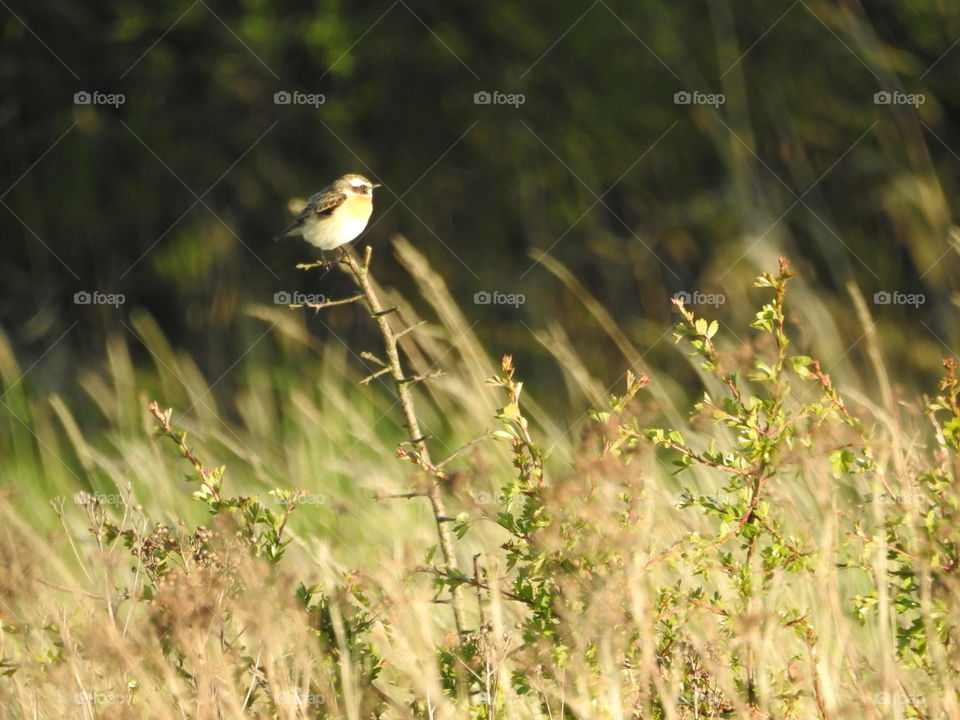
(597, 583)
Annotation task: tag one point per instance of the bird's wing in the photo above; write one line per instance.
(323, 203)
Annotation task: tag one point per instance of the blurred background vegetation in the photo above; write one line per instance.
(598, 198)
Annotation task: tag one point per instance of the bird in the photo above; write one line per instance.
(335, 215)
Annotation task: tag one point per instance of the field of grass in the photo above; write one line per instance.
(783, 547)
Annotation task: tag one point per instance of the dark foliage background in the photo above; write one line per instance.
(172, 197)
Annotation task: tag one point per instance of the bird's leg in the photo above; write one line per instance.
(325, 263)
(341, 258)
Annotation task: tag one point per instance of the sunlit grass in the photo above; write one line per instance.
(657, 605)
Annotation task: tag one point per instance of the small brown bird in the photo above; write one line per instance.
(336, 214)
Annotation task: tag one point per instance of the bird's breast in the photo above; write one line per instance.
(357, 208)
(341, 226)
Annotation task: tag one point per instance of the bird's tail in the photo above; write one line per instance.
(290, 230)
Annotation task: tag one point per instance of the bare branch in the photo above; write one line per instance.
(373, 376)
(373, 358)
(328, 303)
(419, 378)
(415, 441)
(421, 455)
(325, 264)
(399, 496)
(409, 329)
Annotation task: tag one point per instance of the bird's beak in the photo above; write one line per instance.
(376, 185)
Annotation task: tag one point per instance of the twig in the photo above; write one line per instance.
(163, 420)
(361, 275)
(409, 329)
(482, 585)
(399, 496)
(372, 358)
(325, 264)
(476, 578)
(420, 378)
(326, 303)
(373, 376)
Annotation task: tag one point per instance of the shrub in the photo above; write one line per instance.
(780, 556)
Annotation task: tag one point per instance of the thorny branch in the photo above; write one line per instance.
(360, 270)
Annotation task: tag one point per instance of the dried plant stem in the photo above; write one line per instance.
(361, 274)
